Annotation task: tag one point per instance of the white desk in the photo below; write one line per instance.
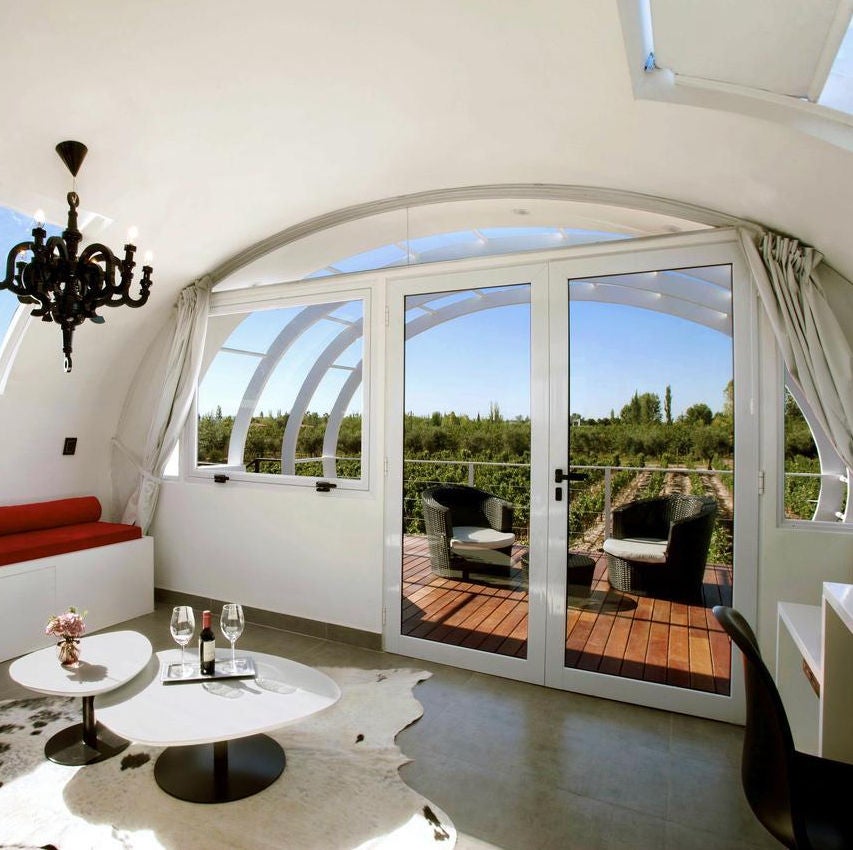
(107, 661)
(211, 729)
(820, 705)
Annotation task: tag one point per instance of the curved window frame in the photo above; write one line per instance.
(836, 481)
(445, 246)
(12, 340)
(276, 267)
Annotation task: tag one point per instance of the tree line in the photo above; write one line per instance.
(266, 432)
(644, 432)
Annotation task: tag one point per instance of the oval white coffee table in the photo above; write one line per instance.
(213, 731)
(106, 662)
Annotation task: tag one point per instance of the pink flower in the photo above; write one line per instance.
(70, 624)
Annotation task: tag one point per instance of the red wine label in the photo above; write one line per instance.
(208, 649)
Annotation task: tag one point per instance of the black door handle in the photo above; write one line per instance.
(560, 476)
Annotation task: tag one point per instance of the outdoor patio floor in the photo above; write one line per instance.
(621, 634)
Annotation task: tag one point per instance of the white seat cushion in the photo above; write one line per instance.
(646, 549)
(477, 537)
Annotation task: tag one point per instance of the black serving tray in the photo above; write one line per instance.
(168, 671)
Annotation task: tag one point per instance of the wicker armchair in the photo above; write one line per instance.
(659, 546)
(464, 524)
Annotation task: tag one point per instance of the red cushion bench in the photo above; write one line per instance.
(57, 553)
(41, 529)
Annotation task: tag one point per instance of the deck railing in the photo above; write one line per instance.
(590, 504)
(487, 475)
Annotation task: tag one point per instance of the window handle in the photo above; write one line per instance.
(324, 486)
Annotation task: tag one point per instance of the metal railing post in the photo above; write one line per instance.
(470, 473)
(607, 488)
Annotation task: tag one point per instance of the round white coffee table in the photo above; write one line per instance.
(106, 662)
(213, 730)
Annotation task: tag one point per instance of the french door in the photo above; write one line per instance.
(468, 387)
(513, 382)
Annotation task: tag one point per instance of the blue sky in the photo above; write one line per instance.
(14, 228)
(467, 363)
(616, 350)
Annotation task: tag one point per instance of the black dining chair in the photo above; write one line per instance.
(804, 801)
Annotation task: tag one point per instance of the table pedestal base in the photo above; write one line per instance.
(84, 743)
(220, 772)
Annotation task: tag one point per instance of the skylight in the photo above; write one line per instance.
(838, 91)
(781, 66)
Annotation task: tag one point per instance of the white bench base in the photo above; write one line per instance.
(112, 583)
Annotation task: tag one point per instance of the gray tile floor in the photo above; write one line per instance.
(522, 767)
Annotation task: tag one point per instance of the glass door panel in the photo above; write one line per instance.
(467, 505)
(652, 434)
(466, 469)
(648, 451)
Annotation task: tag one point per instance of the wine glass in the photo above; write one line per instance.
(182, 627)
(232, 624)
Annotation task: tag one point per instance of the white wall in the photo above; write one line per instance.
(171, 157)
(285, 549)
(42, 405)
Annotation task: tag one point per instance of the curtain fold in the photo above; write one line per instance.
(810, 308)
(189, 321)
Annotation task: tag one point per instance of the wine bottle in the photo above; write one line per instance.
(206, 646)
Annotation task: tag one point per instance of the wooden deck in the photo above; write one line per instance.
(607, 631)
(486, 613)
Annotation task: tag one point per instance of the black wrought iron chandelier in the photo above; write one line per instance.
(69, 287)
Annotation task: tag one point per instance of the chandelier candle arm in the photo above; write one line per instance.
(68, 288)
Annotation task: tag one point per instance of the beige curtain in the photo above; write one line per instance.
(188, 329)
(810, 307)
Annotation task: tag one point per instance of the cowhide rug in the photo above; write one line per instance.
(341, 789)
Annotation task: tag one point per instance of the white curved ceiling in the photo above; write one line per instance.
(212, 124)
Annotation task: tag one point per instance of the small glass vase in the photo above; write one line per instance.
(68, 650)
